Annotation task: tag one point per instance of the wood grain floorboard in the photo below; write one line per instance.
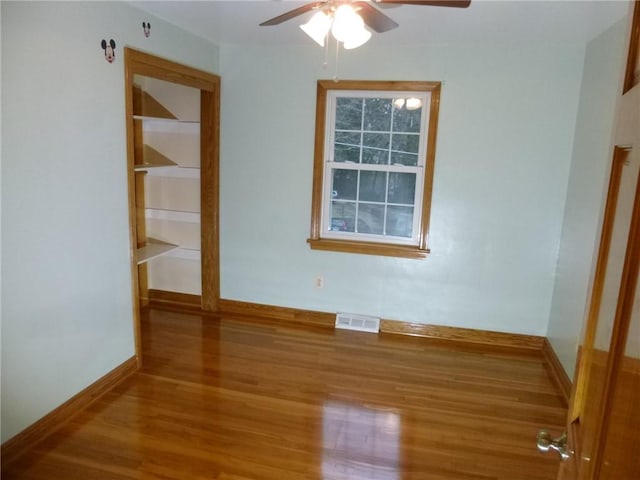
(243, 399)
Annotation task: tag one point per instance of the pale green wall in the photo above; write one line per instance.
(588, 180)
(66, 283)
(504, 146)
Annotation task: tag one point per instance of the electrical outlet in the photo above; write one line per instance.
(319, 281)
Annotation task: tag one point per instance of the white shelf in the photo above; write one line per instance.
(148, 167)
(185, 254)
(146, 119)
(172, 215)
(170, 171)
(153, 249)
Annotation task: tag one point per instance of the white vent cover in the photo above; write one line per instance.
(354, 321)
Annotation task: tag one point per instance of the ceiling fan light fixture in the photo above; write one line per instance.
(345, 23)
(318, 27)
(357, 38)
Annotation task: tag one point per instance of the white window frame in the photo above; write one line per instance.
(331, 165)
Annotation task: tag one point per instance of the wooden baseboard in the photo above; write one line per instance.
(309, 317)
(30, 436)
(556, 370)
(468, 335)
(183, 301)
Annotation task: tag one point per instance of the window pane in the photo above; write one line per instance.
(379, 157)
(402, 188)
(348, 113)
(404, 119)
(377, 140)
(344, 153)
(350, 138)
(372, 186)
(343, 216)
(377, 114)
(380, 153)
(406, 143)
(370, 218)
(344, 185)
(407, 159)
(399, 221)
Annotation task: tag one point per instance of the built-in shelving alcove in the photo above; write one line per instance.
(172, 115)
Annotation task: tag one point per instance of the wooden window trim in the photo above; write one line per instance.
(355, 246)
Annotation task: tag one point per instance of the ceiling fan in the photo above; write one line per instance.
(340, 17)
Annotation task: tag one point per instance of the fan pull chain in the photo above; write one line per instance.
(326, 51)
(335, 75)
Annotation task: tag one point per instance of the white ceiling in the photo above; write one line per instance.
(236, 22)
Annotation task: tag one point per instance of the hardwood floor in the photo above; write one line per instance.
(239, 399)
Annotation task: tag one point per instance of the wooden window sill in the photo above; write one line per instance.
(368, 248)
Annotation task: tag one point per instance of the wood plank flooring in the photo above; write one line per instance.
(240, 399)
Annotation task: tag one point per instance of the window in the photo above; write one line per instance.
(373, 167)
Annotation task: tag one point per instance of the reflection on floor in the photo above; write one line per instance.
(360, 443)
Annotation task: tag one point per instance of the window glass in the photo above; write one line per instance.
(376, 140)
(377, 114)
(406, 119)
(405, 143)
(399, 221)
(349, 113)
(373, 186)
(402, 188)
(371, 219)
(345, 184)
(343, 216)
(346, 153)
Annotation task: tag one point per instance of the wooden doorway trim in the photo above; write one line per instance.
(631, 78)
(139, 63)
(620, 331)
(583, 367)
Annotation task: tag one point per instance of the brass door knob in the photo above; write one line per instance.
(546, 442)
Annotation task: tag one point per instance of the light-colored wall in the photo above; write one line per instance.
(66, 287)
(507, 121)
(588, 180)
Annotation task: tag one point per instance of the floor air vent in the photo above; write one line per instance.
(362, 323)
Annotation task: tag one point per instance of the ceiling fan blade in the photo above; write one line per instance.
(374, 18)
(430, 3)
(292, 14)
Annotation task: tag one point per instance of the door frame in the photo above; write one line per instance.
(140, 63)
